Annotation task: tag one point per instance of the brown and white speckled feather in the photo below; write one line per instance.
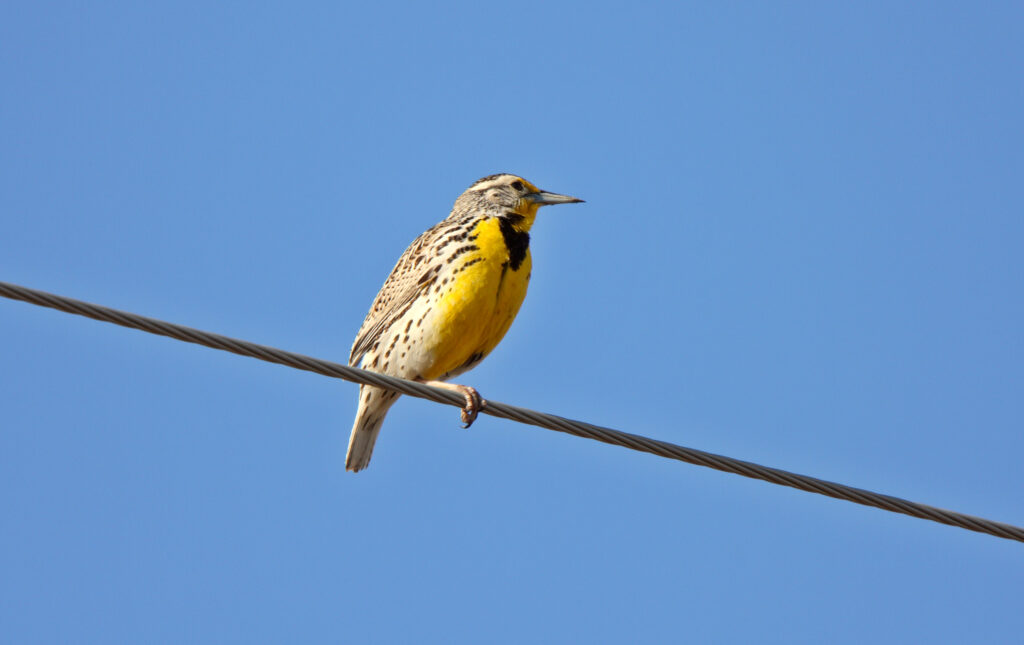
(410, 278)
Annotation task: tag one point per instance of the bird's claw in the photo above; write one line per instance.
(474, 403)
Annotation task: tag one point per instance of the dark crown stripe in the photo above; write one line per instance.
(487, 178)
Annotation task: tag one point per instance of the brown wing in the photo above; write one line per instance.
(413, 273)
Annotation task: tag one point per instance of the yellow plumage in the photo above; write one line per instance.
(476, 310)
(449, 300)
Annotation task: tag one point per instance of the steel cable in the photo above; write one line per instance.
(522, 415)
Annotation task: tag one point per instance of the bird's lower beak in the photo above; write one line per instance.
(545, 198)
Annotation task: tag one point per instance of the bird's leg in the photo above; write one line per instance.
(474, 403)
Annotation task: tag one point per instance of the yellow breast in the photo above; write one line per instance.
(478, 298)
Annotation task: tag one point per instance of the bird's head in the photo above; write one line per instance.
(504, 194)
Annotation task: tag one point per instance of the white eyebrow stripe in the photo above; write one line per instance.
(492, 182)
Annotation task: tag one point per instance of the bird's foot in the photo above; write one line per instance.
(474, 402)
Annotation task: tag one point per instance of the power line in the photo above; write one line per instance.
(522, 415)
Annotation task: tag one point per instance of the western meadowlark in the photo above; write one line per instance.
(449, 300)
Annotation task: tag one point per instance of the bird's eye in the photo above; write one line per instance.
(518, 185)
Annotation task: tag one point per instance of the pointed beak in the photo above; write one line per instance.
(544, 198)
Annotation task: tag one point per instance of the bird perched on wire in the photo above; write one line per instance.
(449, 300)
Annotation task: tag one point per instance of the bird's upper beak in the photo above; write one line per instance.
(545, 198)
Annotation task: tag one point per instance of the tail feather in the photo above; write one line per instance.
(373, 406)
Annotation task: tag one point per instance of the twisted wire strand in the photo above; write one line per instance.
(522, 415)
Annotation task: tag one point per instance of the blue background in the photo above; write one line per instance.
(801, 246)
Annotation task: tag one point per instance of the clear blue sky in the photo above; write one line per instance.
(802, 246)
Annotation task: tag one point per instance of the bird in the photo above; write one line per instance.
(449, 300)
